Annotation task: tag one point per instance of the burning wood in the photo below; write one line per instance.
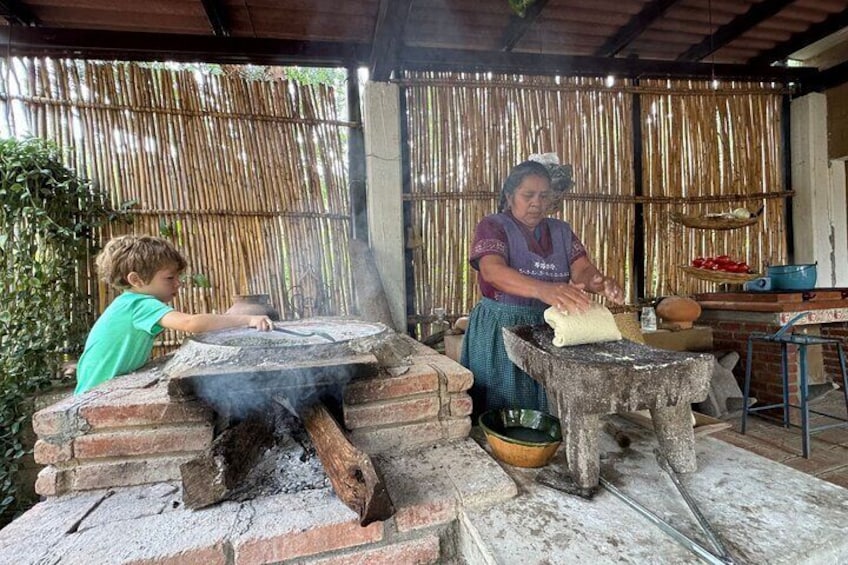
(355, 480)
(212, 477)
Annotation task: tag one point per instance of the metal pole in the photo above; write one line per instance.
(683, 540)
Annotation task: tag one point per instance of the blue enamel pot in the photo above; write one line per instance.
(792, 277)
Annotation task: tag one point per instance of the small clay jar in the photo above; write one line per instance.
(678, 312)
(253, 305)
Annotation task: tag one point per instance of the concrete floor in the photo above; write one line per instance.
(829, 448)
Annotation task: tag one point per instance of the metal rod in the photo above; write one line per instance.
(679, 537)
(690, 502)
(305, 334)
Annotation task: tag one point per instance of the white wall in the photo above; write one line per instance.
(819, 206)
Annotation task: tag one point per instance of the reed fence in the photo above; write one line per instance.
(247, 177)
(704, 149)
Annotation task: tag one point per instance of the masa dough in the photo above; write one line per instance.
(594, 326)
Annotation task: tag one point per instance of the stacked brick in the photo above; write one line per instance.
(130, 432)
(127, 432)
(765, 367)
(425, 404)
(830, 353)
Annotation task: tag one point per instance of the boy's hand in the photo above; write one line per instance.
(261, 323)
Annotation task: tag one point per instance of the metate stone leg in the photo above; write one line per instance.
(673, 426)
(581, 449)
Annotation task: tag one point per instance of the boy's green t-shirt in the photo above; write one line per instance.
(121, 340)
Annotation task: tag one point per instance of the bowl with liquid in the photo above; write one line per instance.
(522, 437)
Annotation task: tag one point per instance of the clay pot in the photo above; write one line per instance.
(678, 311)
(253, 305)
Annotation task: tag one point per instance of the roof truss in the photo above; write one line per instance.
(518, 26)
(216, 13)
(802, 39)
(735, 28)
(634, 28)
(17, 13)
(391, 20)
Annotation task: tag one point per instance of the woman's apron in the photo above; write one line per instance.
(498, 383)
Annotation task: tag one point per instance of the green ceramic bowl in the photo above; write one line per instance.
(522, 437)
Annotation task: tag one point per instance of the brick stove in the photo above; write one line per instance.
(407, 413)
(735, 315)
(141, 427)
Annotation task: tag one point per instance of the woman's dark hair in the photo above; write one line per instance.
(517, 175)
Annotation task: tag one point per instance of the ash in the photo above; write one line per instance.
(291, 465)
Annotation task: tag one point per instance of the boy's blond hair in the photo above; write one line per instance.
(142, 254)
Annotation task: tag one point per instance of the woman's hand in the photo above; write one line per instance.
(261, 323)
(569, 297)
(608, 287)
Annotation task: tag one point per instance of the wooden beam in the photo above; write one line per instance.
(128, 46)
(734, 29)
(801, 39)
(17, 13)
(391, 20)
(836, 75)
(421, 59)
(518, 26)
(216, 13)
(634, 28)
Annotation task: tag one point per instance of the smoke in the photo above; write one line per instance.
(371, 302)
(237, 395)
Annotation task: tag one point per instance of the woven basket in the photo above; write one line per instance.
(717, 276)
(703, 223)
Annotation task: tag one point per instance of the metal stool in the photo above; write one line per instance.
(801, 341)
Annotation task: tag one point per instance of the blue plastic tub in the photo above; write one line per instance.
(792, 277)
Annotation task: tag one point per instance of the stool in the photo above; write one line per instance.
(784, 338)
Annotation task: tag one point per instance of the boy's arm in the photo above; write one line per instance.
(199, 323)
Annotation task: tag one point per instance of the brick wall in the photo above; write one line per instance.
(831, 357)
(766, 359)
(130, 432)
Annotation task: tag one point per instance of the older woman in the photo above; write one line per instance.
(526, 262)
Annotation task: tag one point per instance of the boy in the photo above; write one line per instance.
(147, 270)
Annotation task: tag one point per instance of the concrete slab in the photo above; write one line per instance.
(134, 502)
(31, 535)
(764, 511)
(428, 485)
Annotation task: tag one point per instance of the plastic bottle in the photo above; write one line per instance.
(649, 319)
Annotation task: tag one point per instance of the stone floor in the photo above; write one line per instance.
(829, 448)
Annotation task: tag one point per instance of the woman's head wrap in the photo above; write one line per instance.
(562, 176)
(545, 165)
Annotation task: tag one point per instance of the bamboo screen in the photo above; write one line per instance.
(247, 177)
(704, 150)
(710, 150)
(467, 131)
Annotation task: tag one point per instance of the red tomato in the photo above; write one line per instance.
(743, 268)
(698, 262)
(709, 264)
(716, 267)
(723, 259)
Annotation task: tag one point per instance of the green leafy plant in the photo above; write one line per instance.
(50, 219)
(520, 6)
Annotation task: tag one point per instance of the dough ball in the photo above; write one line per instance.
(593, 326)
